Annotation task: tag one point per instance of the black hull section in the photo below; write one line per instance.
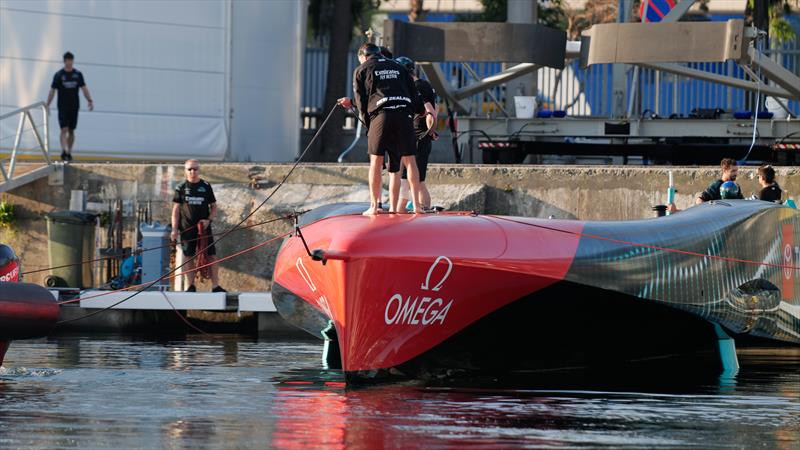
(573, 328)
(299, 313)
(729, 262)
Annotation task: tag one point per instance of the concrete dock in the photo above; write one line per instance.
(569, 192)
(150, 310)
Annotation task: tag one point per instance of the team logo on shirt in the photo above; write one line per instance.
(201, 189)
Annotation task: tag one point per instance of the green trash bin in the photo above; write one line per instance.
(70, 240)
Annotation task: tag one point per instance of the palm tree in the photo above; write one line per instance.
(770, 16)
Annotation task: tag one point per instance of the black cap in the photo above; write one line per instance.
(406, 62)
(369, 49)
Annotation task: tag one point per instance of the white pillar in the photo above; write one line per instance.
(520, 11)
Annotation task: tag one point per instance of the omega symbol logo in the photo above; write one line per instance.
(305, 275)
(787, 261)
(427, 283)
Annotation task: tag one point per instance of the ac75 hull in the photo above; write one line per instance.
(445, 293)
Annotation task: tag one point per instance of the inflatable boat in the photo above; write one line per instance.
(452, 294)
(26, 310)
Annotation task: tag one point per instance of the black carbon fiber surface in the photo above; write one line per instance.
(730, 262)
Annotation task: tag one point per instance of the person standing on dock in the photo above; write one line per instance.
(67, 82)
(193, 208)
(385, 97)
(730, 168)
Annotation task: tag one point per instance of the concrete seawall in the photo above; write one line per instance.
(576, 192)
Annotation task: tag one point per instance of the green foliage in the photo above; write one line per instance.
(7, 217)
(779, 28)
(497, 11)
(554, 16)
(320, 15)
(494, 11)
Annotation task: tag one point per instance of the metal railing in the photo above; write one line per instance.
(44, 143)
(584, 92)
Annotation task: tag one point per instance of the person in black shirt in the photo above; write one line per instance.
(424, 123)
(385, 97)
(67, 81)
(194, 204)
(770, 191)
(730, 169)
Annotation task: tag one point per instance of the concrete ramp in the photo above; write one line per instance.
(25, 174)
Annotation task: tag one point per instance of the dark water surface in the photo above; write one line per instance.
(238, 392)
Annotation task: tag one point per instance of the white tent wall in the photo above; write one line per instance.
(163, 75)
(268, 42)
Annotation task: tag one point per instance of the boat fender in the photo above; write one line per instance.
(26, 311)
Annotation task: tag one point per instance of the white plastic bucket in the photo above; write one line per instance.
(525, 106)
(776, 109)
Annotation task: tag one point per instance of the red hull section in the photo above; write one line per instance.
(396, 286)
(26, 311)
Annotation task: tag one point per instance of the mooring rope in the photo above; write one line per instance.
(224, 235)
(649, 246)
(142, 250)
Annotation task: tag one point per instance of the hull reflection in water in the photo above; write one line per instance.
(547, 410)
(237, 392)
(458, 294)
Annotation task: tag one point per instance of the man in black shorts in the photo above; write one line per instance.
(194, 204)
(385, 97)
(424, 123)
(67, 81)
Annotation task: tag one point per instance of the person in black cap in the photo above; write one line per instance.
(385, 97)
(67, 82)
(424, 123)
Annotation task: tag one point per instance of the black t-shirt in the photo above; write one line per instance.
(381, 84)
(770, 193)
(712, 192)
(426, 95)
(195, 200)
(68, 84)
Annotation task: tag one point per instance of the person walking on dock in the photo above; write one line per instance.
(67, 82)
(385, 97)
(193, 208)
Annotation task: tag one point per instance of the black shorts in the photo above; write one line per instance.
(189, 242)
(68, 118)
(424, 146)
(391, 132)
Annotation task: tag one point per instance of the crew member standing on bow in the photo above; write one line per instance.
(385, 97)
(424, 124)
(194, 206)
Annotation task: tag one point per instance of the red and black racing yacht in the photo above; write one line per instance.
(447, 294)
